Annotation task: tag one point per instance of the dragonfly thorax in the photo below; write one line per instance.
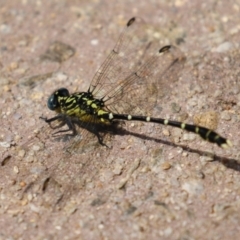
(78, 104)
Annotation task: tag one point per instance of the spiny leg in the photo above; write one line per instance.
(64, 120)
(50, 120)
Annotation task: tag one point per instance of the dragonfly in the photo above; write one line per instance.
(125, 88)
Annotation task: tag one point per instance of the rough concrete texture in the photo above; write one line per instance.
(153, 182)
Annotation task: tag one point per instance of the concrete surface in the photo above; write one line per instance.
(152, 182)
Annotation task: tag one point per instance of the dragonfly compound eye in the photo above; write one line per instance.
(53, 101)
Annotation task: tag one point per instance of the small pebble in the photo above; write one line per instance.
(16, 169)
(94, 42)
(226, 116)
(166, 166)
(224, 47)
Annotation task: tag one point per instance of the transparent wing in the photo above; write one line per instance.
(120, 62)
(140, 91)
(88, 137)
(136, 72)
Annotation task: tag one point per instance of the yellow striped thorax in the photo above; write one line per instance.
(81, 105)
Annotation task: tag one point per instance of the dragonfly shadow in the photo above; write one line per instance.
(227, 162)
(102, 131)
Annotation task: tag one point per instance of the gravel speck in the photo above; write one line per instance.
(224, 47)
(193, 187)
(94, 42)
(226, 116)
(189, 137)
(16, 169)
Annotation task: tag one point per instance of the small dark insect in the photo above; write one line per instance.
(121, 78)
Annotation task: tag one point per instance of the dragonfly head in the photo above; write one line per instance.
(53, 102)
